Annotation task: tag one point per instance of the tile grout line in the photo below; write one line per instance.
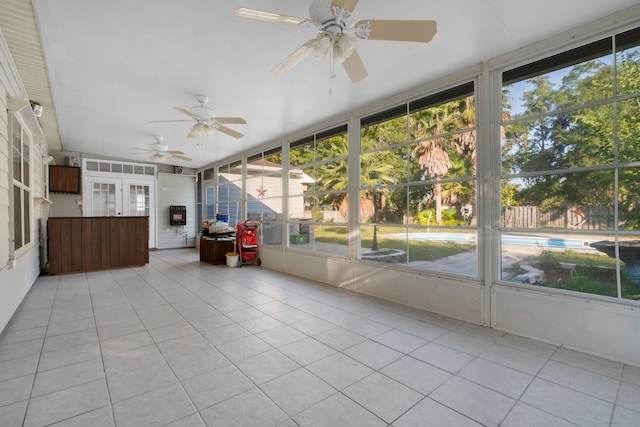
(26, 409)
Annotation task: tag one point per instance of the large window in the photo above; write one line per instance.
(21, 185)
(264, 186)
(418, 183)
(198, 201)
(229, 192)
(209, 194)
(570, 187)
(318, 181)
(562, 191)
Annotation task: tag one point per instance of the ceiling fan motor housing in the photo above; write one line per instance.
(320, 11)
(202, 110)
(159, 147)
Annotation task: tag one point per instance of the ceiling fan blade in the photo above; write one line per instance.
(231, 120)
(166, 121)
(145, 150)
(345, 4)
(407, 31)
(292, 60)
(277, 18)
(229, 131)
(174, 152)
(354, 67)
(187, 112)
(181, 157)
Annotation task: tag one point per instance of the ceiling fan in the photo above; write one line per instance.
(161, 151)
(205, 120)
(338, 32)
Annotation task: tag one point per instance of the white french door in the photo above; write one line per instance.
(136, 198)
(105, 197)
(121, 197)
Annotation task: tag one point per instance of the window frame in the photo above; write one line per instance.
(605, 46)
(237, 216)
(258, 168)
(27, 219)
(302, 229)
(405, 112)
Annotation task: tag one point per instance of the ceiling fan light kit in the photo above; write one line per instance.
(200, 130)
(158, 158)
(338, 32)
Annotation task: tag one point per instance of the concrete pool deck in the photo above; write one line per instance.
(464, 263)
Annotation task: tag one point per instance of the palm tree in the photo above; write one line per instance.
(434, 155)
(436, 163)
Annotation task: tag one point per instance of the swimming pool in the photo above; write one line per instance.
(541, 241)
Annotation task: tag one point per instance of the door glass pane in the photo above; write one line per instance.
(95, 205)
(139, 200)
(112, 200)
(104, 199)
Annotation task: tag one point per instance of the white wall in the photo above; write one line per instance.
(600, 328)
(177, 190)
(448, 296)
(65, 205)
(16, 277)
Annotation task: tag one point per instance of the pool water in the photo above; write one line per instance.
(546, 242)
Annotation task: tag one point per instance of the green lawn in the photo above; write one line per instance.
(418, 250)
(594, 273)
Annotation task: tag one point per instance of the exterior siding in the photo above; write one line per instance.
(16, 276)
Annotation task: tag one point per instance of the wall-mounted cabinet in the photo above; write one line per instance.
(64, 179)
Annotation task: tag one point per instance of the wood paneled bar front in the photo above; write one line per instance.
(83, 244)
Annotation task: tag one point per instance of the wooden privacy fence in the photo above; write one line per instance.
(575, 217)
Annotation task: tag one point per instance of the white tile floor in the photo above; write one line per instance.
(182, 343)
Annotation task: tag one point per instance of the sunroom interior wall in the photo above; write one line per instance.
(582, 322)
(589, 323)
(443, 295)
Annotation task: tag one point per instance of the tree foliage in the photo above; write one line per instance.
(573, 123)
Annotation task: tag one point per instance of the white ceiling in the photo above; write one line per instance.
(115, 65)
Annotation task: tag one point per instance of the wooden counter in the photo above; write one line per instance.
(97, 243)
(214, 251)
